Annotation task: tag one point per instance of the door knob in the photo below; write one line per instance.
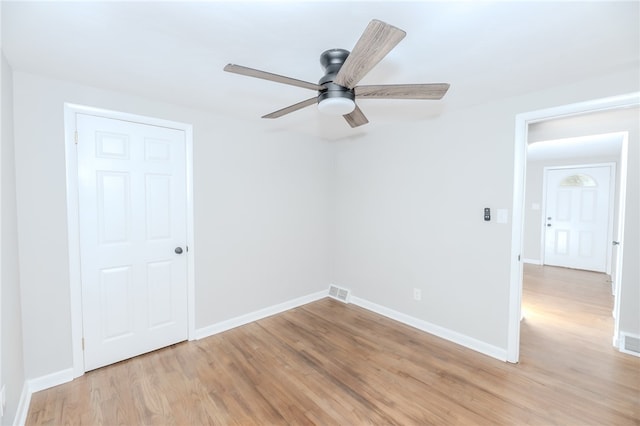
(178, 250)
(548, 224)
(616, 243)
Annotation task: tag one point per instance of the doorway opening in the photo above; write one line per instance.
(523, 126)
(567, 245)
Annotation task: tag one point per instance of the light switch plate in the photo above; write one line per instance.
(503, 216)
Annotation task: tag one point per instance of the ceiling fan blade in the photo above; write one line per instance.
(403, 91)
(292, 108)
(375, 42)
(356, 118)
(250, 72)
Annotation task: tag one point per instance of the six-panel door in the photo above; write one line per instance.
(132, 201)
(577, 217)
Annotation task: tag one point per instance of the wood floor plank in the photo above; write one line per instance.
(327, 363)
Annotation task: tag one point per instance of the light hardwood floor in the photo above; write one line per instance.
(328, 363)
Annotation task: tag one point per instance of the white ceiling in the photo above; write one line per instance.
(175, 51)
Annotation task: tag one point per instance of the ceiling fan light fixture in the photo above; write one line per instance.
(338, 87)
(336, 106)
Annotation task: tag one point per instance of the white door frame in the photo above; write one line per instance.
(610, 205)
(622, 189)
(73, 225)
(519, 172)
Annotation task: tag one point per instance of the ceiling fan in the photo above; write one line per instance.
(338, 90)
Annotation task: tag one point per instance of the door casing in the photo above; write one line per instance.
(73, 226)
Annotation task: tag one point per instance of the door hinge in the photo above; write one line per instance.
(187, 247)
(83, 343)
(518, 258)
(75, 137)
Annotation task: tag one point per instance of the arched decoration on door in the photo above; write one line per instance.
(579, 180)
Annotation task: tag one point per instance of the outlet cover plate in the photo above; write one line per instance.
(417, 294)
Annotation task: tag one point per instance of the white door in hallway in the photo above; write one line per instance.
(578, 217)
(132, 202)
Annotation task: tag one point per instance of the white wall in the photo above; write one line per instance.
(11, 342)
(278, 216)
(261, 213)
(409, 211)
(410, 214)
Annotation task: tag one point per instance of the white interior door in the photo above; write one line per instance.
(577, 217)
(132, 202)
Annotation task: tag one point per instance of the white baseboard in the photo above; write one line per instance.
(50, 380)
(23, 406)
(455, 337)
(219, 327)
(34, 385)
(436, 330)
(532, 261)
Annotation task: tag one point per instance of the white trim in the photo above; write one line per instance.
(517, 229)
(35, 385)
(23, 406)
(622, 202)
(50, 380)
(436, 330)
(125, 116)
(543, 217)
(532, 261)
(613, 183)
(191, 264)
(452, 336)
(219, 327)
(73, 233)
(521, 128)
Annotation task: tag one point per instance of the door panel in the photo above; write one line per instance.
(132, 200)
(114, 207)
(116, 302)
(159, 292)
(158, 206)
(577, 217)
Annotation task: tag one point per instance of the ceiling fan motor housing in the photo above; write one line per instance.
(332, 60)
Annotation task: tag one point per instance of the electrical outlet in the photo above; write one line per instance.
(417, 294)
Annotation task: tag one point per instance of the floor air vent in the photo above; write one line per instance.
(339, 293)
(630, 344)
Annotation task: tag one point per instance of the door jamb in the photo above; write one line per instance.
(73, 225)
(622, 200)
(522, 122)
